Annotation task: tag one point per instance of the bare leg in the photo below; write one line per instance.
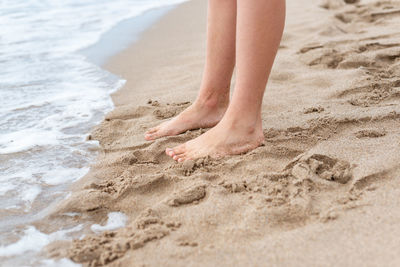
(213, 97)
(259, 30)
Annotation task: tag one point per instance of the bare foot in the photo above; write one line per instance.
(199, 115)
(226, 138)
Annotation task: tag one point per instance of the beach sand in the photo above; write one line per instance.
(324, 190)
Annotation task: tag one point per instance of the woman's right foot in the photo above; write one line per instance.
(201, 114)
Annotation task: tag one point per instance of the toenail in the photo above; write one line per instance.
(180, 160)
(171, 153)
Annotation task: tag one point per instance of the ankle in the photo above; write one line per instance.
(249, 123)
(213, 101)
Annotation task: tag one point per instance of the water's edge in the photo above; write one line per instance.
(121, 36)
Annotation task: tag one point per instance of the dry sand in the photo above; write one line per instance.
(323, 191)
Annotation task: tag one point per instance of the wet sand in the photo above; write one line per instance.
(324, 190)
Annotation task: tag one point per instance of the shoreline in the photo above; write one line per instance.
(274, 204)
(124, 33)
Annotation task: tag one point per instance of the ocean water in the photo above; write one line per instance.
(51, 96)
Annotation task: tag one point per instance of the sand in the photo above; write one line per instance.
(324, 190)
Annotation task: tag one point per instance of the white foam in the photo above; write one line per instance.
(34, 240)
(25, 139)
(22, 196)
(31, 193)
(115, 220)
(6, 187)
(61, 175)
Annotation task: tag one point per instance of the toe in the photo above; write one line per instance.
(158, 134)
(180, 157)
(169, 152)
(150, 136)
(152, 130)
(176, 150)
(176, 153)
(179, 149)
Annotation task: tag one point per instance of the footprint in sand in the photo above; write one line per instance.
(322, 169)
(188, 196)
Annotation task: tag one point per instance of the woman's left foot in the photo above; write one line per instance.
(228, 137)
